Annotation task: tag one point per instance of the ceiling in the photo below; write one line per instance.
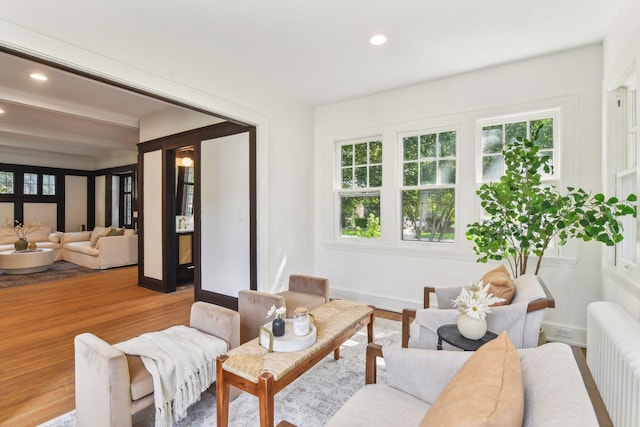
(310, 50)
(68, 115)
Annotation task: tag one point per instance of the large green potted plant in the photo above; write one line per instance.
(523, 216)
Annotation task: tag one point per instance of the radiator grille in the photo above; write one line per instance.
(613, 356)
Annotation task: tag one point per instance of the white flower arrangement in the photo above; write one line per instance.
(475, 300)
(23, 230)
(277, 311)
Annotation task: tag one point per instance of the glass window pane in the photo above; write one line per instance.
(492, 168)
(361, 176)
(347, 155)
(447, 172)
(49, 185)
(514, 130)
(492, 139)
(6, 182)
(428, 215)
(629, 224)
(375, 176)
(360, 216)
(361, 153)
(448, 144)
(543, 175)
(375, 152)
(428, 172)
(428, 146)
(347, 178)
(410, 148)
(30, 183)
(545, 132)
(411, 173)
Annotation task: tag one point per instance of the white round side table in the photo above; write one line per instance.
(25, 262)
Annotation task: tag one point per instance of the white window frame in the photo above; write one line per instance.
(401, 187)
(553, 250)
(553, 113)
(362, 191)
(623, 134)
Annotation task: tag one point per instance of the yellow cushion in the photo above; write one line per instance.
(487, 391)
(501, 284)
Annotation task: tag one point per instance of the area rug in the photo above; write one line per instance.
(57, 271)
(309, 401)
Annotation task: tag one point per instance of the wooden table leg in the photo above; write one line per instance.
(336, 353)
(372, 319)
(265, 399)
(222, 394)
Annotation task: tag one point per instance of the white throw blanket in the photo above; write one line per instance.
(181, 361)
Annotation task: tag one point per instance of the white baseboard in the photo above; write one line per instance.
(555, 331)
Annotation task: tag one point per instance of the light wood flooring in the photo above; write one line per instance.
(38, 324)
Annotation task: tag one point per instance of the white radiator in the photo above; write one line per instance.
(613, 356)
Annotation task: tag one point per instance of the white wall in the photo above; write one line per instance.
(225, 233)
(46, 213)
(75, 202)
(152, 205)
(621, 54)
(389, 274)
(284, 125)
(101, 188)
(172, 121)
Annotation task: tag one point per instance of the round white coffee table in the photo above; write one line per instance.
(25, 262)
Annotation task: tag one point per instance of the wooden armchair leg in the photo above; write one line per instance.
(407, 317)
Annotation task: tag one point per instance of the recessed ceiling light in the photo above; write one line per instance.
(377, 39)
(1, 111)
(38, 76)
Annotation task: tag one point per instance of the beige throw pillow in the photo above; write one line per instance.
(97, 233)
(487, 391)
(501, 284)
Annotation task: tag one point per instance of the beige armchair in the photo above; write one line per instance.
(521, 318)
(304, 291)
(112, 386)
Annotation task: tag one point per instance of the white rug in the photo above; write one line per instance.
(307, 402)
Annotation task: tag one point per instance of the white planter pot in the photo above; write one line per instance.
(471, 328)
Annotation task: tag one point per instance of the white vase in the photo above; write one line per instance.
(473, 329)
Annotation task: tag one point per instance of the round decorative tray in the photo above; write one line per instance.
(289, 341)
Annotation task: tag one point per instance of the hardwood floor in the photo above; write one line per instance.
(38, 324)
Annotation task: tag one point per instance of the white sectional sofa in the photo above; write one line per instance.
(44, 238)
(98, 250)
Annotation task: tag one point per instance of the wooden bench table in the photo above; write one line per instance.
(251, 368)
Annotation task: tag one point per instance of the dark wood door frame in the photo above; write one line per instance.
(169, 145)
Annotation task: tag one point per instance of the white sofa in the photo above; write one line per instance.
(44, 238)
(558, 388)
(94, 249)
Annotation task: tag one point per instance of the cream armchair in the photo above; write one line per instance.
(112, 386)
(304, 291)
(521, 318)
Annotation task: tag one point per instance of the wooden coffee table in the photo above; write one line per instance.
(25, 262)
(252, 368)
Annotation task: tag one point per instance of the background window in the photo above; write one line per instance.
(30, 183)
(6, 182)
(428, 193)
(496, 136)
(48, 185)
(625, 135)
(360, 179)
(185, 190)
(127, 200)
